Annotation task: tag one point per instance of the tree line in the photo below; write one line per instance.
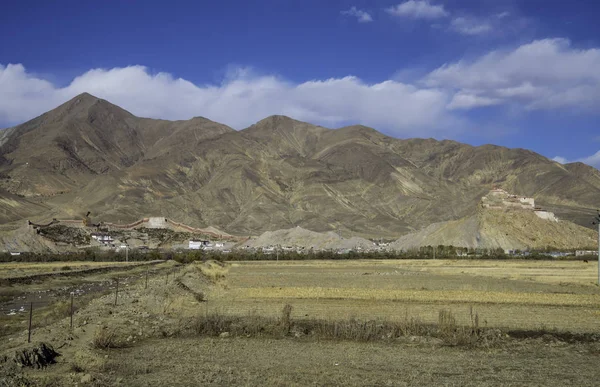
(186, 256)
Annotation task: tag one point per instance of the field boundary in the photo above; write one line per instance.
(27, 279)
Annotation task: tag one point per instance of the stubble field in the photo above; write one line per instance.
(513, 294)
(222, 324)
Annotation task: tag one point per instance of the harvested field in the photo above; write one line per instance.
(263, 362)
(330, 323)
(511, 294)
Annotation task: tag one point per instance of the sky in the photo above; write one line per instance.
(516, 73)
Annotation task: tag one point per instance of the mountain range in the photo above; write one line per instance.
(90, 155)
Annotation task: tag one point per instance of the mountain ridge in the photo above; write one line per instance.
(91, 155)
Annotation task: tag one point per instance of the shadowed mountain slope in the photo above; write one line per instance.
(90, 155)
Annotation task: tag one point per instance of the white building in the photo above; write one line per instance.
(580, 253)
(105, 239)
(200, 245)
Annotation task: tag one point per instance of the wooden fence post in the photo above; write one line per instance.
(117, 291)
(71, 310)
(30, 317)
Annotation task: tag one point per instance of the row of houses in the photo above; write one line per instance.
(205, 245)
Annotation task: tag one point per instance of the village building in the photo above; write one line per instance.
(499, 199)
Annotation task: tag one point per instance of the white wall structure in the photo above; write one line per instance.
(157, 223)
(195, 245)
(546, 215)
(528, 201)
(580, 253)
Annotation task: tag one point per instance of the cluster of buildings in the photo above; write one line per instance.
(499, 199)
(274, 249)
(204, 245)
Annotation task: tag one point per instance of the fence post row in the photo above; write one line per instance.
(72, 306)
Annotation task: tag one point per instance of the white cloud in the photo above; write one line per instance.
(361, 16)
(242, 99)
(470, 26)
(543, 74)
(502, 15)
(417, 9)
(464, 100)
(593, 160)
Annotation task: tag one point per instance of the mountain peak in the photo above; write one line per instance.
(276, 119)
(83, 98)
(87, 106)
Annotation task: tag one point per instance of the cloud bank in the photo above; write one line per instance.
(593, 160)
(543, 74)
(239, 101)
(546, 74)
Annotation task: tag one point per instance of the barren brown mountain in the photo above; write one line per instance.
(90, 155)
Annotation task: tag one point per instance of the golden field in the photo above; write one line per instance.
(513, 294)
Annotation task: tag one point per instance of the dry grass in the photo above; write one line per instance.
(422, 295)
(447, 330)
(13, 269)
(515, 294)
(213, 270)
(551, 271)
(263, 362)
(108, 337)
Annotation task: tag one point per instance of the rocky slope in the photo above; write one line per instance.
(89, 155)
(298, 237)
(507, 229)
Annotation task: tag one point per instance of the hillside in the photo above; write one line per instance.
(507, 229)
(305, 239)
(90, 155)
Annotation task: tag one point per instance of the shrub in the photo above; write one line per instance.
(286, 318)
(106, 337)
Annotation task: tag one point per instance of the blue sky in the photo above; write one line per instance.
(515, 73)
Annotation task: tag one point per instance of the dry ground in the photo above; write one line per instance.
(155, 343)
(288, 362)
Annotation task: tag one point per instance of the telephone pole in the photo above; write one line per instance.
(597, 222)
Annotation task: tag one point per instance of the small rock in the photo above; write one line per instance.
(224, 334)
(130, 338)
(87, 378)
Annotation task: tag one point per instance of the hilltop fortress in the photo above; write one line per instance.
(499, 199)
